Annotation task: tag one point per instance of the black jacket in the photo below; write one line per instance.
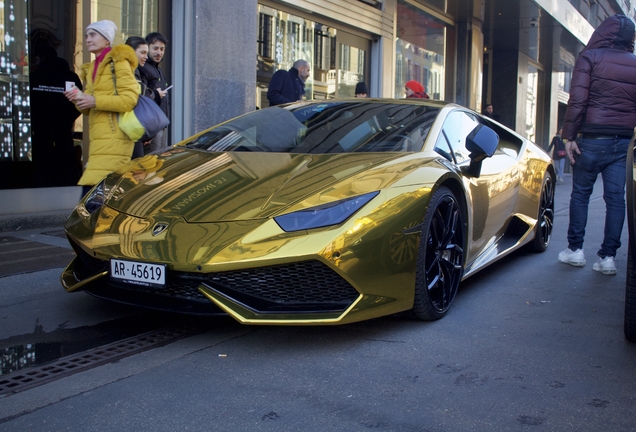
(152, 74)
(603, 91)
(285, 86)
(556, 144)
(144, 86)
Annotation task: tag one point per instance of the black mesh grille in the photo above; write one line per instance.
(302, 287)
(175, 287)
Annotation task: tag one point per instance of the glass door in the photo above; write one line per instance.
(353, 63)
(341, 60)
(531, 103)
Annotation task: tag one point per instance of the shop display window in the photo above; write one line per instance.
(41, 49)
(283, 39)
(420, 49)
(15, 105)
(339, 60)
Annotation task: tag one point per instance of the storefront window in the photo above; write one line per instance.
(324, 66)
(132, 17)
(420, 48)
(351, 71)
(283, 39)
(339, 60)
(531, 103)
(138, 17)
(15, 115)
(40, 52)
(566, 66)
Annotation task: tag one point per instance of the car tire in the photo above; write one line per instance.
(440, 260)
(545, 220)
(630, 298)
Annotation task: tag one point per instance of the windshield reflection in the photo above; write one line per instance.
(322, 128)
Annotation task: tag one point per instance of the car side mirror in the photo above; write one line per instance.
(481, 142)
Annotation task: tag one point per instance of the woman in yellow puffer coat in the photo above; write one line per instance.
(110, 88)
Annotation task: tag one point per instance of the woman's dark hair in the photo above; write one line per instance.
(135, 41)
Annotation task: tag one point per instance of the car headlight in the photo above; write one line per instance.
(95, 198)
(324, 215)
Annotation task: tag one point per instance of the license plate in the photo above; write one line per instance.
(138, 273)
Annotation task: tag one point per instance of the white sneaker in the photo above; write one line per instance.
(560, 179)
(574, 258)
(605, 265)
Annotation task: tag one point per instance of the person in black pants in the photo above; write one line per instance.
(153, 75)
(558, 154)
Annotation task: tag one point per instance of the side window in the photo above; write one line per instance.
(442, 147)
(457, 126)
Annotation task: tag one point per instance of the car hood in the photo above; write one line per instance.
(232, 186)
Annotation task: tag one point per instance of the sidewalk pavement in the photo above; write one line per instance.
(33, 242)
(562, 195)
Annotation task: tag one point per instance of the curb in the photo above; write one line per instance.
(22, 222)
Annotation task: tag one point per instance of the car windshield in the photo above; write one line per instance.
(328, 127)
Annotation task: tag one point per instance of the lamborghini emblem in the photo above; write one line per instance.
(159, 228)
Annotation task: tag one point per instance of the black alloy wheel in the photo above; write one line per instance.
(440, 261)
(630, 298)
(545, 222)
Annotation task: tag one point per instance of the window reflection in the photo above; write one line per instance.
(337, 64)
(566, 65)
(37, 123)
(324, 127)
(457, 127)
(18, 357)
(338, 60)
(283, 38)
(352, 61)
(138, 17)
(15, 115)
(420, 47)
(531, 103)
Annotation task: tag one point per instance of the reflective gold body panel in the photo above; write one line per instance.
(219, 209)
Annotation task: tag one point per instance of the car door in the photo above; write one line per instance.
(492, 195)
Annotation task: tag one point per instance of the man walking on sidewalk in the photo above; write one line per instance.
(602, 111)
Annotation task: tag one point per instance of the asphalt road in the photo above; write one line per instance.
(530, 345)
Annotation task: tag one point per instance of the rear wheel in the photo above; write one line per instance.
(440, 260)
(545, 222)
(630, 298)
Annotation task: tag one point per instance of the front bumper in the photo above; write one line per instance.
(307, 291)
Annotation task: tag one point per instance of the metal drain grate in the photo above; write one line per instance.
(28, 378)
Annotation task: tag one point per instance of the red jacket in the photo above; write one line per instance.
(418, 95)
(603, 91)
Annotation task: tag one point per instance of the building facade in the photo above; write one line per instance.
(514, 54)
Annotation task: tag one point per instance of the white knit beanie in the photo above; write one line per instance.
(106, 28)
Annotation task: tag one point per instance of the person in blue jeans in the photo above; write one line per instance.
(599, 122)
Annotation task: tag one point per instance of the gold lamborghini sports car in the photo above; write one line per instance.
(321, 212)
